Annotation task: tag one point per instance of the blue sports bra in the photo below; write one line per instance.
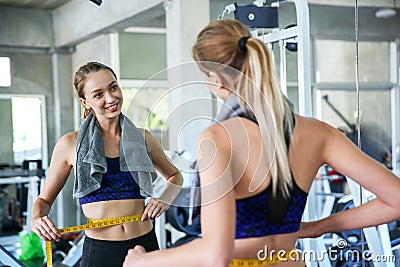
(263, 214)
(115, 185)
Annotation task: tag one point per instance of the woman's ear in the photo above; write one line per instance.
(84, 102)
(218, 86)
(214, 79)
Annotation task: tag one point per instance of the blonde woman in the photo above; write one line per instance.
(113, 163)
(255, 175)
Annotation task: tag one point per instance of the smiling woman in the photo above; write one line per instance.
(104, 95)
(109, 182)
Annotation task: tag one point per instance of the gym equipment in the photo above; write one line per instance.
(184, 240)
(291, 44)
(8, 259)
(257, 16)
(178, 217)
(27, 179)
(180, 214)
(97, 2)
(352, 126)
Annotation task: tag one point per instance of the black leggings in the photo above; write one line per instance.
(104, 253)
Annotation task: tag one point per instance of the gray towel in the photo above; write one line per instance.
(231, 108)
(91, 159)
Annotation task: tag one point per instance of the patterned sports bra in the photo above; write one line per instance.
(115, 185)
(263, 214)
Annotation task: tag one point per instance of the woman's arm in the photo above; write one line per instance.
(56, 177)
(346, 158)
(215, 247)
(173, 177)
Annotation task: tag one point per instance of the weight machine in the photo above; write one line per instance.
(28, 176)
(8, 259)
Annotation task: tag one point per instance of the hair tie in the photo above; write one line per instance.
(242, 43)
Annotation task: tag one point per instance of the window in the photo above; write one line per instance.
(5, 72)
(375, 107)
(148, 108)
(23, 131)
(27, 128)
(339, 108)
(335, 61)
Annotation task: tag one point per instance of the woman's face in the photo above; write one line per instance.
(102, 94)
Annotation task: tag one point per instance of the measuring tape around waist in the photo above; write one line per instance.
(268, 261)
(90, 225)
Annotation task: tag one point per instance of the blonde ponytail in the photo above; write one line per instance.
(85, 112)
(256, 85)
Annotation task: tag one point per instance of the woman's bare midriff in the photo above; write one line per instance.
(113, 209)
(252, 248)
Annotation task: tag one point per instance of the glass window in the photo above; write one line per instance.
(148, 108)
(138, 59)
(5, 72)
(339, 109)
(335, 61)
(374, 107)
(27, 128)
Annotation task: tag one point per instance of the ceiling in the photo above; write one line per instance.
(51, 4)
(38, 4)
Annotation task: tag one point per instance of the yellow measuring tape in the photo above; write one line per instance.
(90, 225)
(269, 260)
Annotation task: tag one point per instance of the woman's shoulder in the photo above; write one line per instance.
(315, 125)
(213, 130)
(315, 132)
(68, 139)
(65, 148)
(223, 132)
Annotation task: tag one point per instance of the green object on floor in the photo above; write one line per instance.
(33, 263)
(31, 248)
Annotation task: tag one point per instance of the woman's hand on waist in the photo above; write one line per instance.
(45, 228)
(154, 209)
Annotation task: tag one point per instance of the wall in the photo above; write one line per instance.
(25, 27)
(142, 55)
(6, 143)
